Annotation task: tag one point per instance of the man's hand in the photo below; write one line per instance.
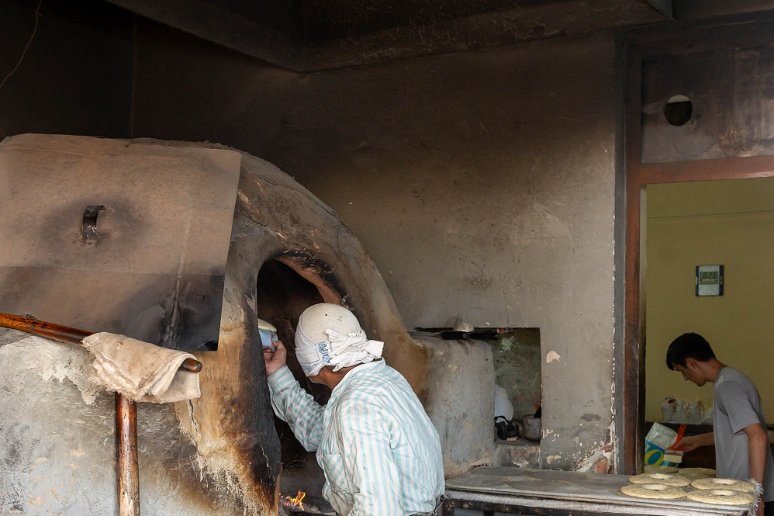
(275, 359)
(688, 444)
(691, 442)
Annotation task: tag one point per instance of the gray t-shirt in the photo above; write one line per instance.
(737, 406)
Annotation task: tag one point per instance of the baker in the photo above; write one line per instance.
(739, 430)
(376, 446)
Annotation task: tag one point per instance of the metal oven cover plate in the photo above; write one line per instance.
(153, 266)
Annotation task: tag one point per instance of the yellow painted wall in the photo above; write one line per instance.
(712, 222)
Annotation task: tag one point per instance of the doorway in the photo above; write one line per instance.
(640, 177)
(693, 229)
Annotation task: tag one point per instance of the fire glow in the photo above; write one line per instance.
(294, 502)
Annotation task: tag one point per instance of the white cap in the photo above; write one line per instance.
(329, 334)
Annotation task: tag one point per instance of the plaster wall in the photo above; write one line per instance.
(482, 184)
(69, 73)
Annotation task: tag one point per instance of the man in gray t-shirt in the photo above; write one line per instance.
(739, 434)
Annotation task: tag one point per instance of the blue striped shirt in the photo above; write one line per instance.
(378, 449)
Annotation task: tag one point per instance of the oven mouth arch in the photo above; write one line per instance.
(286, 285)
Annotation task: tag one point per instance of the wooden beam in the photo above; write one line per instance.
(631, 394)
(706, 170)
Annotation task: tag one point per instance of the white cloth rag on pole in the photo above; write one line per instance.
(141, 371)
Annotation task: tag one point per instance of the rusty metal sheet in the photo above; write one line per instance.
(150, 264)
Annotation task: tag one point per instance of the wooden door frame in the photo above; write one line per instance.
(638, 179)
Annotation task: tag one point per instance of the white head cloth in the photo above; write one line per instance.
(330, 335)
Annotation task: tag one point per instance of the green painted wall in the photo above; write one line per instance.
(713, 222)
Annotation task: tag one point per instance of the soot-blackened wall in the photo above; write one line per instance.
(481, 183)
(65, 68)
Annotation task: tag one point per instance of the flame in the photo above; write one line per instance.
(295, 502)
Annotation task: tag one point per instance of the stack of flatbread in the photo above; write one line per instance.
(661, 486)
(724, 491)
(696, 484)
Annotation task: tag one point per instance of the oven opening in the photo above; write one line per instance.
(285, 288)
(518, 387)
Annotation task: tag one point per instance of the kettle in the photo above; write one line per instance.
(530, 427)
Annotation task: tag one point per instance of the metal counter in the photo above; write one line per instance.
(514, 490)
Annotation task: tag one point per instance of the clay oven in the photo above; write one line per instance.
(223, 452)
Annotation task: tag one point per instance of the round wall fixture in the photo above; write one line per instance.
(678, 110)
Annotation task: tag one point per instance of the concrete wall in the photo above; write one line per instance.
(75, 76)
(482, 184)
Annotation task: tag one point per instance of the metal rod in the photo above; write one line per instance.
(127, 468)
(29, 324)
(66, 334)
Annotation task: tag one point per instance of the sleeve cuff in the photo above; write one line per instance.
(281, 378)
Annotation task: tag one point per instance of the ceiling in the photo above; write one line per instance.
(310, 35)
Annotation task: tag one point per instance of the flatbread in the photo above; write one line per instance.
(658, 491)
(721, 497)
(649, 468)
(667, 479)
(728, 484)
(696, 473)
